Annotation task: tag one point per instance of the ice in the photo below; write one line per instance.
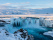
(29, 24)
(49, 33)
(47, 22)
(17, 22)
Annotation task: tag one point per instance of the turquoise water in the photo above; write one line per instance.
(33, 29)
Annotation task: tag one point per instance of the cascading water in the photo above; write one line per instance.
(31, 25)
(16, 22)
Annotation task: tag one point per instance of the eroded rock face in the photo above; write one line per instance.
(23, 34)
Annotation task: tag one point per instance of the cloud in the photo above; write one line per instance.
(15, 3)
(12, 6)
(6, 4)
(27, 5)
(7, 7)
(23, 3)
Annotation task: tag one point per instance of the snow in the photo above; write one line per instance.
(49, 33)
(28, 23)
(16, 11)
(17, 21)
(3, 35)
(19, 35)
(48, 22)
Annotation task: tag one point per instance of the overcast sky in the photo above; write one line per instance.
(27, 3)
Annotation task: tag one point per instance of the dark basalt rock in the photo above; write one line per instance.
(15, 32)
(7, 34)
(0, 31)
(30, 37)
(24, 34)
(15, 35)
(21, 30)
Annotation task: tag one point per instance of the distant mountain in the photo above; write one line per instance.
(44, 11)
(7, 10)
(39, 11)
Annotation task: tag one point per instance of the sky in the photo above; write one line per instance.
(26, 4)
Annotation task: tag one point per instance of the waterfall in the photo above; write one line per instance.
(16, 22)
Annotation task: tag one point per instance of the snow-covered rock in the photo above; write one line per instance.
(30, 21)
(5, 35)
(41, 19)
(23, 34)
(48, 22)
(2, 22)
(18, 35)
(49, 33)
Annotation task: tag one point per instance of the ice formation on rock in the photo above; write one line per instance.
(17, 22)
(20, 22)
(48, 22)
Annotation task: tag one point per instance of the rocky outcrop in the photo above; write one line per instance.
(30, 37)
(18, 35)
(23, 34)
(2, 22)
